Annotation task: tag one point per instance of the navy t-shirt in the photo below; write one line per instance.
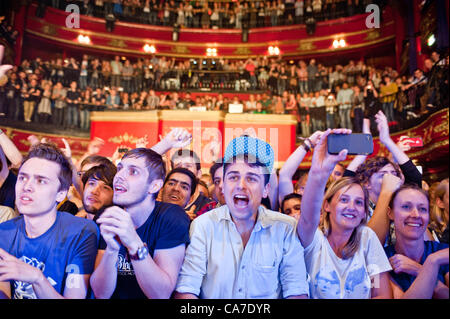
(8, 191)
(166, 227)
(68, 246)
(405, 280)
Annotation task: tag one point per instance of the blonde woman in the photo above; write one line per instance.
(439, 213)
(343, 257)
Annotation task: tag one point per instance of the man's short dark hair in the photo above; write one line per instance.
(102, 173)
(252, 162)
(187, 172)
(97, 159)
(154, 162)
(181, 153)
(52, 153)
(217, 165)
(288, 197)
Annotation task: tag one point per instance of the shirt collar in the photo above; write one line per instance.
(262, 220)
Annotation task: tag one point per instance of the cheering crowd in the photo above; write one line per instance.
(65, 92)
(147, 223)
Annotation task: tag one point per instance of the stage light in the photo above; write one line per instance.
(211, 52)
(83, 39)
(149, 49)
(431, 40)
(273, 50)
(339, 43)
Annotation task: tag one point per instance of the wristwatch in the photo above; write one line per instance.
(141, 253)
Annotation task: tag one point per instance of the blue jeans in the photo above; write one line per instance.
(84, 119)
(330, 120)
(388, 110)
(72, 116)
(344, 116)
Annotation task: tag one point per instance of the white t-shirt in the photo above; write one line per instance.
(331, 277)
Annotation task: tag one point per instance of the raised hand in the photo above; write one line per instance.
(115, 221)
(315, 137)
(322, 162)
(66, 150)
(383, 127)
(391, 183)
(178, 138)
(95, 145)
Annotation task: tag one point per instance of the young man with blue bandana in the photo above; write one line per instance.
(243, 250)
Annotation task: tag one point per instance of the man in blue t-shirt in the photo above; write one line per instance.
(143, 241)
(45, 253)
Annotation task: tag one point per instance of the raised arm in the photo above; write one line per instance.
(385, 138)
(322, 166)
(409, 170)
(273, 190)
(291, 165)
(379, 222)
(177, 138)
(10, 150)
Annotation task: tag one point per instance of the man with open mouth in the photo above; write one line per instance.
(241, 249)
(143, 241)
(45, 253)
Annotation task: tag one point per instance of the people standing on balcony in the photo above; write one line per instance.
(44, 110)
(32, 96)
(387, 95)
(357, 110)
(331, 109)
(312, 75)
(215, 12)
(127, 73)
(188, 15)
(59, 100)
(116, 71)
(344, 98)
(73, 98)
(305, 105)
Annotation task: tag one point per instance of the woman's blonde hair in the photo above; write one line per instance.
(438, 217)
(325, 226)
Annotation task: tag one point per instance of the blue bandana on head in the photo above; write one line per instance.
(246, 145)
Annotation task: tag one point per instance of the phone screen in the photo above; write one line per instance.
(356, 144)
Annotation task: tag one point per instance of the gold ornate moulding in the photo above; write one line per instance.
(125, 116)
(184, 115)
(264, 119)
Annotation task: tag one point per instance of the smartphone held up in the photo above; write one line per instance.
(355, 143)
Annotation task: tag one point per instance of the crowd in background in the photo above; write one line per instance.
(63, 92)
(220, 14)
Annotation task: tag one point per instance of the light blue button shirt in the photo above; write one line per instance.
(217, 266)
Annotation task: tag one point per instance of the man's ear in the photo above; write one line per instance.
(266, 190)
(155, 186)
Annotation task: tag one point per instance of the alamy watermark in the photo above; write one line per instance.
(373, 19)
